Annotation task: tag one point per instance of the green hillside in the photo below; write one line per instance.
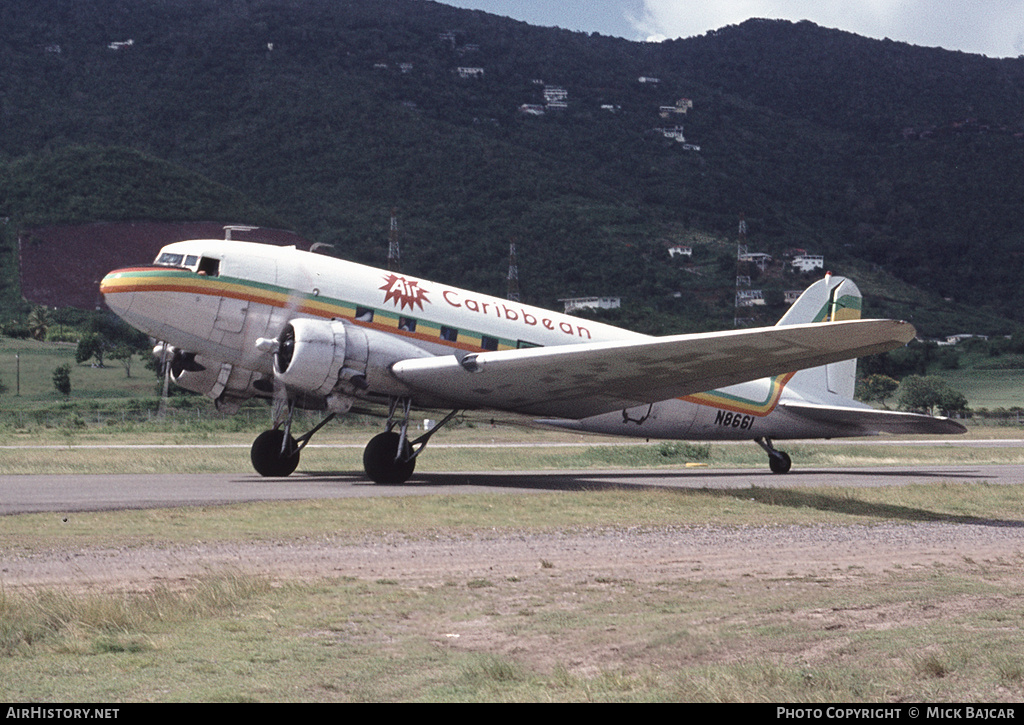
(883, 157)
(75, 184)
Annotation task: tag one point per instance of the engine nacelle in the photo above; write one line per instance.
(188, 370)
(320, 356)
(227, 385)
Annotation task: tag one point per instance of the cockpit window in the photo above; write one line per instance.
(206, 266)
(167, 259)
(209, 266)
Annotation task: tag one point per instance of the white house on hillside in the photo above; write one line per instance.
(593, 303)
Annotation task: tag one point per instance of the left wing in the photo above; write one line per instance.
(577, 381)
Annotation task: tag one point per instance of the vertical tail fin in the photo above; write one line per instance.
(831, 299)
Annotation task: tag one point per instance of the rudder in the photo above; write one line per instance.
(831, 299)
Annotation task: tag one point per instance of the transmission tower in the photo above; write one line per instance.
(742, 280)
(394, 254)
(513, 273)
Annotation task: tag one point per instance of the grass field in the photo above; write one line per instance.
(946, 632)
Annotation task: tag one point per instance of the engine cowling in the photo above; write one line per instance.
(188, 370)
(224, 383)
(321, 357)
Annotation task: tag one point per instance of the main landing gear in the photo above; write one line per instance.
(778, 461)
(389, 457)
(275, 453)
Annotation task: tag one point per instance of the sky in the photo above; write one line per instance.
(988, 27)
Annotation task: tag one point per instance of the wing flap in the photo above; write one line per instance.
(576, 381)
(868, 421)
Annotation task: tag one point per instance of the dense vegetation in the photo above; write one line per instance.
(323, 115)
(78, 184)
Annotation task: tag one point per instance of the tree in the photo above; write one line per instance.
(62, 379)
(123, 354)
(927, 394)
(878, 387)
(39, 322)
(90, 345)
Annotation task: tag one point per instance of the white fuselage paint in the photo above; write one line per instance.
(256, 289)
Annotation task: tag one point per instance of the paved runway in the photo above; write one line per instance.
(39, 493)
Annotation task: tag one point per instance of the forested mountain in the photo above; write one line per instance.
(326, 114)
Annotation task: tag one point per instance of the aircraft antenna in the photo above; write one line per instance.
(394, 254)
(513, 272)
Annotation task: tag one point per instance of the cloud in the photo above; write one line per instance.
(994, 27)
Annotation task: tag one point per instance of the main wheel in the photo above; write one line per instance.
(379, 459)
(267, 457)
(780, 462)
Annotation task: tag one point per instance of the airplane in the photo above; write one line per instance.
(239, 320)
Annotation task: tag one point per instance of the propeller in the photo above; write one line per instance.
(173, 362)
(163, 353)
(282, 345)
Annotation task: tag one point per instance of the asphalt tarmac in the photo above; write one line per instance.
(68, 493)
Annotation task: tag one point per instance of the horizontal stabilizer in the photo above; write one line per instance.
(577, 381)
(868, 421)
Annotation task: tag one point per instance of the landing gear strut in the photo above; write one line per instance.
(390, 457)
(778, 461)
(275, 452)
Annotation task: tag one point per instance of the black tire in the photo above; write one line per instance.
(266, 454)
(780, 462)
(379, 459)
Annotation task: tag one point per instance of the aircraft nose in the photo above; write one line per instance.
(117, 291)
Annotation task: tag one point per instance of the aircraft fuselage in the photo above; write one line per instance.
(249, 320)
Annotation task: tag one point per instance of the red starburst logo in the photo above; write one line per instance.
(404, 292)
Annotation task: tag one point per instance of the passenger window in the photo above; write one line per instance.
(364, 314)
(489, 343)
(407, 324)
(449, 334)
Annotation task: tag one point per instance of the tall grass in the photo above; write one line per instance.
(61, 620)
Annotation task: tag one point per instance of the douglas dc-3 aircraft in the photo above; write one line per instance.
(243, 320)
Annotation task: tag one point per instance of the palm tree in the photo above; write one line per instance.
(39, 322)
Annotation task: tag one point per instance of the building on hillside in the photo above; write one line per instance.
(759, 259)
(680, 251)
(675, 133)
(553, 94)
(590, 303)
(962, 337)
(682, 106)
(808, 262)
(749, 297)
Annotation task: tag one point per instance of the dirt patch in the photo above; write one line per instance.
(646, 555)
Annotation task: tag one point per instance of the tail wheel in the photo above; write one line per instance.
(379, 459)
(267, 455)
(780, 462)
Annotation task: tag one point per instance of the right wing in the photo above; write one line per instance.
(578, 381)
